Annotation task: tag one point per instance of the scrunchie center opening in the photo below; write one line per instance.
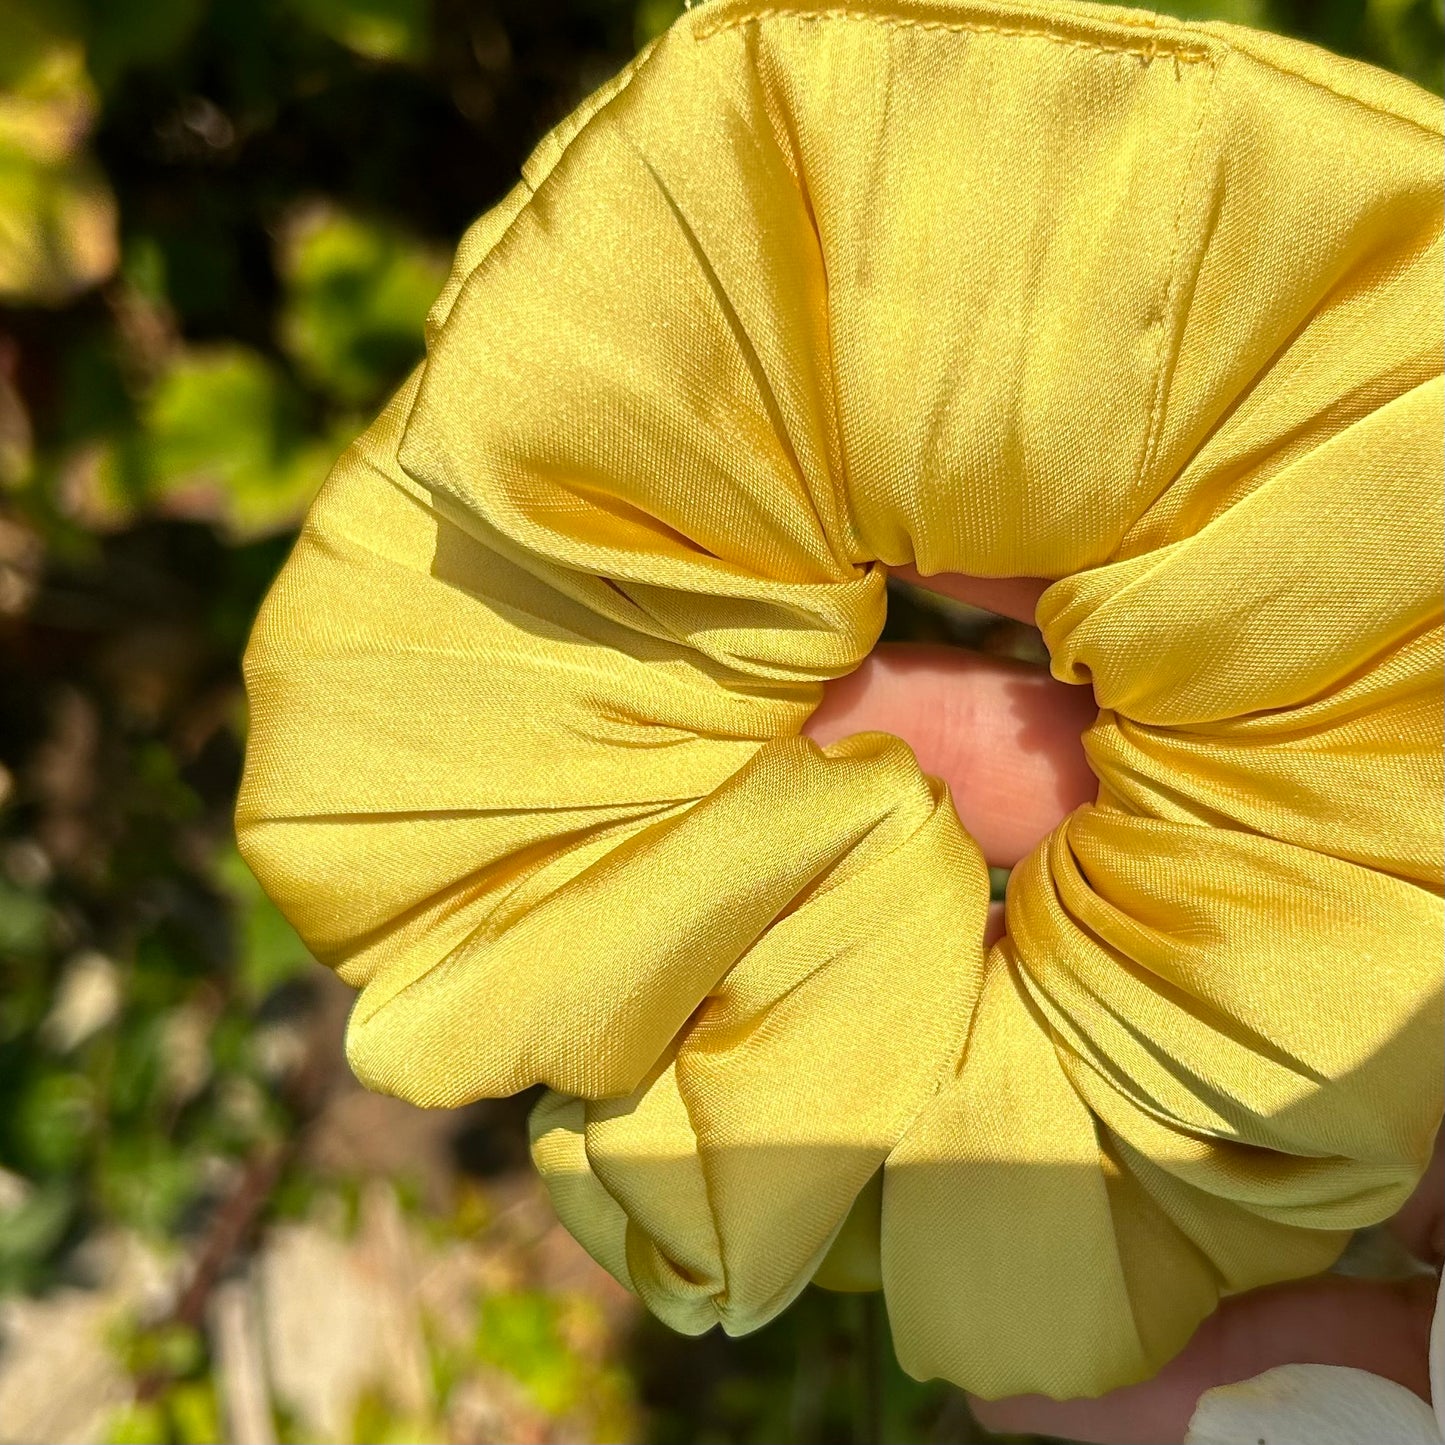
(998, 729)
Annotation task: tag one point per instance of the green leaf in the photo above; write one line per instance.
(139, 1423)
(357, 294)
(652, 17)
(57, 214)
(377, 29)
(219, 414)
(520, 1333)
(24, 921)
(174, 1350)
(1237, 12)
(30, 1231)
(195, 1413)
(223, 441)
(147, 1182)
(54, 1119)
(270, 952)
(1410, 37)
(122, 37)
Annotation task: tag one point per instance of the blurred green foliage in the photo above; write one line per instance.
(221, 225)
(356, 295)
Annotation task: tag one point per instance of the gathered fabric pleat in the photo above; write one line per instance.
(1147, 309)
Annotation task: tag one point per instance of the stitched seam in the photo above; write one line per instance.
(1180, 50)
(1149, 52)
(1156, 409)
(1154, 49)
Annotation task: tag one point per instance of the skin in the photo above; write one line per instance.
(955, 709)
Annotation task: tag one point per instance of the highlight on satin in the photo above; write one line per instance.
(1149, 310)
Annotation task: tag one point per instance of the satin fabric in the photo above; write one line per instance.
(1151, 309)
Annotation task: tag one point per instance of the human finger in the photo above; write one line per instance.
(1420, 1225)
(1004, 735)
(1379, 1326)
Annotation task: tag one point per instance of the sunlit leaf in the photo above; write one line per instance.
(139, 1423)
(57, 214)
(195, 1413)
(270, 952)
(356, 296)
(1411, 37)
(169, 1349)
(219, 415)
(520, 1333)
(1236, 12)
(377, 29)
(24, 920)
(652, 17)
(54, 1119)
(224, 442)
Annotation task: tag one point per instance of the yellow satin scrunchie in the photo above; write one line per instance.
(1148, 308)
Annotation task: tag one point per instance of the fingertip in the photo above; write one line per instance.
(1378, 1326)
(1003, 735)
(1420, 1225)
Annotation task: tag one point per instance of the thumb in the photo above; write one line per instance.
(1373, 1325)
